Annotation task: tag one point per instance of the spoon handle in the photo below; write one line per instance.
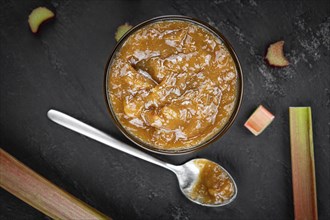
(93, 133)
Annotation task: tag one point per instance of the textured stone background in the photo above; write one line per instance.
(62, 68)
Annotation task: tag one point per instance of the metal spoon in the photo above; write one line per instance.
(187, 173)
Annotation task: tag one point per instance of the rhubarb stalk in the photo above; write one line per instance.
(302, 160)
(38, 192)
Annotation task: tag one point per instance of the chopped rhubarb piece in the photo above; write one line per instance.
(122, 29)
(275, 55)
(259, 120)
(38, 16)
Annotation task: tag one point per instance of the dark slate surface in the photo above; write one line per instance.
(62, 68)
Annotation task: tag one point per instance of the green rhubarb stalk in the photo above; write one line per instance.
(302, 160)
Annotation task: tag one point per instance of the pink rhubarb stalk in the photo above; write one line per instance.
(302, 161)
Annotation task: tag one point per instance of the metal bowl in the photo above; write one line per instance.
(217, 135)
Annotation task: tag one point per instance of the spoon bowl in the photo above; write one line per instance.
(188, 174)
(191, 175)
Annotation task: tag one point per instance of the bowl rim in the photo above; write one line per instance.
(219, 133)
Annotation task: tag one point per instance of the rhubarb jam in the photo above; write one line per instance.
(173, 84)
(213, 186)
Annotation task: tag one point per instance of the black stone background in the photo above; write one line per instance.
(63, 68)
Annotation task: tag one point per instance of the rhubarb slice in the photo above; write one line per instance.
(122, 29)
(259, 120)
(38, 16)
(275, 55)
(302, 161)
